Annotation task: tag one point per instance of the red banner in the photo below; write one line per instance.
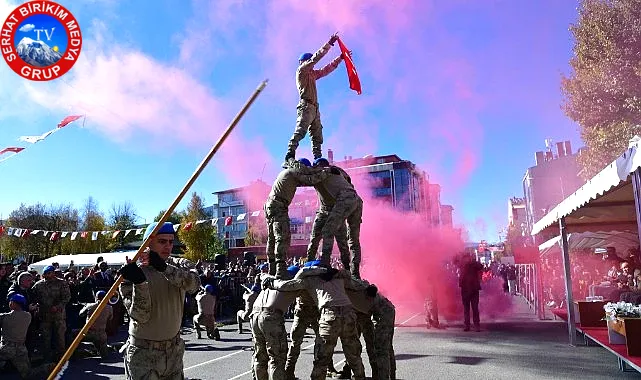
(354, 81)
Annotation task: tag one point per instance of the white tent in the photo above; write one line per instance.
(620, 240)
(84, 260)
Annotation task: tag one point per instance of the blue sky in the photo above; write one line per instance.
(45, 28)
(466, 90)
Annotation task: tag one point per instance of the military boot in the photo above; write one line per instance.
(216, 334)
(198, 331)
(345, 373)
(289, 157)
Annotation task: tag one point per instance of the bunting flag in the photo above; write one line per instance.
(14, 150)
(68, 120)
(354, 81)
(35, 139)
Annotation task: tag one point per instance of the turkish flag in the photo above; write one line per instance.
(354, 82)
(12, 149)
(228, 221)
(188, 226)
(68, 120)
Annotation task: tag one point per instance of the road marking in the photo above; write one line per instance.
(304, 348)
(213, 360)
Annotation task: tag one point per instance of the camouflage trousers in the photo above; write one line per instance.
(16, 353)
(334, 323)
(304, 317)
(308, 119)
(314, 240)
(270, 345)
(207, 320)
(384, 348)
(53, 327)
(431, 312)
(348, 207)
(278, 234)
(150, 360)
(99, 339)
(366, 329)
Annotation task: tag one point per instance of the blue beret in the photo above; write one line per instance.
(293, 270)
(48, 268)
(256, 288)
(101, 294)
(19, 298)
(167, 228)
(263, 266)
(313, 263)
(209, 289)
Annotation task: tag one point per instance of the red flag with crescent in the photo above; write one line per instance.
(354, 81)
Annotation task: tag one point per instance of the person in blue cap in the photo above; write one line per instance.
(153, 293)
(97, 333)
(308, 115)
(13, 329)
(206, 301)
(249, 297)
(52, 295)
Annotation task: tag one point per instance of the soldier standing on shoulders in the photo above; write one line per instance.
(52, 295)
(308, 114)
(276, 210)
(154, 295)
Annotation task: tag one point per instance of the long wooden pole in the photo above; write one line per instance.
(145, 244)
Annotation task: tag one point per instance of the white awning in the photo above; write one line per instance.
(84, 260)
(609, 194)
(620, 240)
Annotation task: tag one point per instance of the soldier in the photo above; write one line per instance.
(249, 297)
(154, 295)
(14, 325)
(470, 284)
(206, 301)
(308, 115)
(97, 333)
(326, 285)
(305, 315)
(276, 210)
(269, 334)
(363, 305)
(348, 207)
(383, 317)
(431, 306)
(52, 295)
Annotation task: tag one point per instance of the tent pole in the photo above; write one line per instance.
(567, 273)
(636, 188)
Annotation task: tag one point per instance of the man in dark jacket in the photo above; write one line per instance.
(470, 283)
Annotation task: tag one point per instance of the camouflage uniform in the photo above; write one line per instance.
(322, 214)
(154, 349)
(276, 211)
(14, 325)
(305, 315)
(337, 319)
(97, 333)
(52, 293)
(348, 206)
(308, 115)
(245, 314)
(363, 306)
(269, 334)
(383, 316)
(206, 310)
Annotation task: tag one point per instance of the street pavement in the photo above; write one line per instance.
(517, 346)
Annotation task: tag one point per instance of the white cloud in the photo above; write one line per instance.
(27, 28)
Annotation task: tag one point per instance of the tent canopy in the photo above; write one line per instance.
(604, 203)
(620, 240)
(84, 260)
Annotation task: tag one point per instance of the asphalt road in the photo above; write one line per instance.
(515, 347)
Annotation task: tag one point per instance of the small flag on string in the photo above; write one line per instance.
(68, 120)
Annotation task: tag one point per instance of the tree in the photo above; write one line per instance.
(256, 234)
(122, 217)
(603, 92)
(93, 222)
(175, 217)
(196, 237)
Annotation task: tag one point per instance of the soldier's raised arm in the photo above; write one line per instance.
(320, 53)
(328, 68)
(135, 292)
(180, 277)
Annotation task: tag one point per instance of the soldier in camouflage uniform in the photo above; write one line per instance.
(276, 209)
(383, 316)
(206, 310)
(244, 315)
(348, 206)
(52, 295)
(308, 114)
(97, 333)
(305, 315)
(337, 320)
(363, 303)
(13, 327)
(268, 331)
(154, 295)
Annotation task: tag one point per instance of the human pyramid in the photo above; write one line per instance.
(334, 303)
